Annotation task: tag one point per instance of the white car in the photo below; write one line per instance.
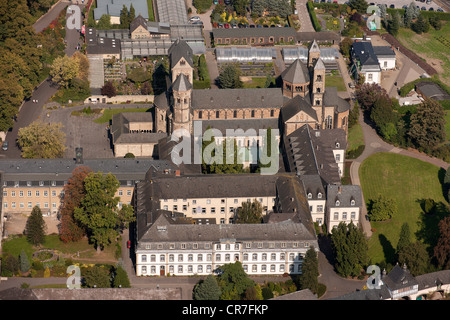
(194, 19)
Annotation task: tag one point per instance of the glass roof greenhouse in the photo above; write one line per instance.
(326, 54)
(252, 54)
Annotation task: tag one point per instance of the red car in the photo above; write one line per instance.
(128, 244)
(227, 26)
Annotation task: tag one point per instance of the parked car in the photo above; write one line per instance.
(431, 9)
(440, 10)
(5, 146)
(351, 85)
(195, 19)
(252, 26)
(226, 26)
(128, 244)
(423, 9)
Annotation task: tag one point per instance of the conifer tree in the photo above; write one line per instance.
(310, 271)
(207, 289)
(24, 262)
(35, 227)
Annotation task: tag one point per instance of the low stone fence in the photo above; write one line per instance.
(120, 99)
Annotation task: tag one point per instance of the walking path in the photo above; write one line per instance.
(303, 16)
(374, 144)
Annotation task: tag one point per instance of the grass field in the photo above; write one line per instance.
(355, 137)
(433, 46)
(407, 180)
(335, 81)
(87, 251)
(257, 82)
(108, 113)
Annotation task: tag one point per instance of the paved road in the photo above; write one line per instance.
(31, 111)
(303, 16)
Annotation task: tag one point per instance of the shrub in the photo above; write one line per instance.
(315, 22)
(129, 155)
(355, 153)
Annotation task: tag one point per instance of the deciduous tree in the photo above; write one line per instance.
(40, 140)
(442, 248)
(382, 208)
(98, 211)
(64, 70)
(74, 192)
(427, 128)
(250, 212)
(233, 281)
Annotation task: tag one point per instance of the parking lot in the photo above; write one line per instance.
(397, 4)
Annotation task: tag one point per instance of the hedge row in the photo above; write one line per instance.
(444, 16)
(312, 14)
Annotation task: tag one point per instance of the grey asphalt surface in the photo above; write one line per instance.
(30, 111)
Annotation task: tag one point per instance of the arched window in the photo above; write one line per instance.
(329, 122)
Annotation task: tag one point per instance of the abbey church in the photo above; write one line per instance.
(302, 100)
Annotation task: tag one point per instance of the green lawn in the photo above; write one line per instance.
(430, 46)
(355, 137)
(257, 82)
(407, 180)
(108, 113)
(333, 24)
(335, 81)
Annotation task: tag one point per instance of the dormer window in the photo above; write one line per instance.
(338, 203)
(352, 202)
(337, 145)
(310, 195)
(319, 195)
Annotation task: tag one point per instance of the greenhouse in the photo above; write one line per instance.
(329, 56)
(244, 55)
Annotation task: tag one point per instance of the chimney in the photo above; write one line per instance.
(177, 173)
(339, 189)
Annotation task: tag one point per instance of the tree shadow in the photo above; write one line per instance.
(388, 249)
(428, 229)
(444, 186)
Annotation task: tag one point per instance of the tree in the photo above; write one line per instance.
(121, 279)
(207, 289)
(233, 281)
(250, 212)
(40, 140)
(124, 18)
(240, 6)
(384, 117)
(394, 24)
(382, 208)
(368, 93)
(442, 248)
(98, 211)
(104, 22)
(359, 5)
(427, 127)
(202, 5)
(405, 237)
(421, 25)
(310, 271)
(131, 13)
(35, 227)
(74, 192)
(24, 262)
(229, 78)
(109, 90)
(435, 22)
(64, 70)
(11, 97)
(345, 46)
(96, 277)
(415, 257)
(350, 249)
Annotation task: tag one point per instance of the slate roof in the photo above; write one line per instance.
(181, 83)
(294, 106)
(332, 99)
(305, 294)
(180, 49)
(213, 186)
(317, 36)
(433, 279)
(363, 51)
(313, 183)
(244, 124)
(307, 153)
(120, 128)
(384, 51)
(314, 47)
(345, 194)
(61, 169)
(297, 72)
(237, 98)
(319, 65)
(138, 21)
(399, 278)
(214, 232)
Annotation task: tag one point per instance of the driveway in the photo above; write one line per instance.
(303, 16)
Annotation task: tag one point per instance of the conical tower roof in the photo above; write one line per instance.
(181, 83)
(319, 65)
(296, 73)
(314, 47)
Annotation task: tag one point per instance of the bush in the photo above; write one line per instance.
(355, 153)
(321, 290)
(315, 22)
(129, 155)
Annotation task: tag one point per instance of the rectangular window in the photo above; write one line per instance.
(336, 216)
(29, 193)
(20, 193)
(353, 215)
